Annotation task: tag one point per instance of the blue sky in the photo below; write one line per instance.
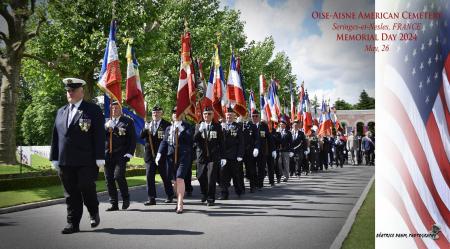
(329, 68)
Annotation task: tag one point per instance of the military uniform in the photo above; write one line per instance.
(153, 134)
(264, 157)
(298, 148)
(251, 142)
(232, 151)
(77, 148)
(209, 142)
(340, 147)
(284, 150)
(123, 143)
(314, 151)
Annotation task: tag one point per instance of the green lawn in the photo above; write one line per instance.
(16, 197)
(13, 169)
(362, 234)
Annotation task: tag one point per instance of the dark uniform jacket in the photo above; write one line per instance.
(251, 137)
(167, 145)
(265, 139)
(285, 141)
(83, 142)
(233, 141)
(209, 143)
(156, 136)
(123, 139)
(299, 143)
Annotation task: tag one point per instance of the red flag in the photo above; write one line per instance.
(186, 84)
(134, 93)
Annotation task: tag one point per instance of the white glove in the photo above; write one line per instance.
(128, 155)
(178, 125)
(307, 151)
(239, 159)
(100, 163)
(202, 127)
(332, 149)
(255, 152)
(224, 126)
(147, 126)
(274, 154)
(158, 156)
(223, 162)
(55, 165)
(109, 124)
(291, 154)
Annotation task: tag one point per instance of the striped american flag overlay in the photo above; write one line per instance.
(413, 145)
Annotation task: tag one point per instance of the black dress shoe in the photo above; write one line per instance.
(169, 199)
(125, 204)
(223, 197)
(179, 211)
(204, 198)
(95, 220)
(114, 207)
(150, 202)
(210, 203)
(70, 229)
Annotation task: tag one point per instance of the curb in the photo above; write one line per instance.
(337, 243)
(23, 207)
(39, 204)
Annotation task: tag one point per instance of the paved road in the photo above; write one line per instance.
(303, 213)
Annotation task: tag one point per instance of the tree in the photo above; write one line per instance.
(365, 102)
(16, 15)
(341, 104)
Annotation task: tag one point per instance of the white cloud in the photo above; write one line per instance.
(330, 68)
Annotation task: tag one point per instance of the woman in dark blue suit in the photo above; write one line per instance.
(177, 147)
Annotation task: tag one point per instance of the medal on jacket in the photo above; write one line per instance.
(84, 123)
(122, 131)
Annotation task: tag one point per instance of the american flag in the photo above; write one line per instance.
(413, 129)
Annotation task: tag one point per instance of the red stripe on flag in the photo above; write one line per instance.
(438, 148)
(444, 104)
(415, 147)
(395, 198)
(419, 205)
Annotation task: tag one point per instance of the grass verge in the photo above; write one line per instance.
(362, 233)
(17, 197)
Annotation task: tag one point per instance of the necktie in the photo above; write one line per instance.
(71, 114)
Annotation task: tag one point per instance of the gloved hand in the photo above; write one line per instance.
(109, 124)
(255, 152)
(239, 159)
(332, 149)
(202, 127)
(274, 154)
(158, 156)
(307, 151)
(55, 165)
(128, 155)
(223, 162)
(147, 126)
(291, 154)
(224, 126)
(100, 163)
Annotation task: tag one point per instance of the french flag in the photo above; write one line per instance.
(307, 117)
(219, 98)
(186, 83)
(251, 101)
(235, 92)
(134, 93)
(110, 77)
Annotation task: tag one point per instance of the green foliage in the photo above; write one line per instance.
(341, 104)
(365, 102)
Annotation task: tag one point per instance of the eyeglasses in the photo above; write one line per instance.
(71, 90)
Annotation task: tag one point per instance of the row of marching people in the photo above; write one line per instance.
(221, 151)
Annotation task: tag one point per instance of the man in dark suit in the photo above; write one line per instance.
(251, 143)
(232, 155)
(209, 140)
(284, 149)
(265, 153)
(153, 134)
(77, 151)
(298, 146)
(120, 146)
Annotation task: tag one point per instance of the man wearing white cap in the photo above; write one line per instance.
(77, 151)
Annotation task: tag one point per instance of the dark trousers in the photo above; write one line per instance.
(314, 159)
(324, 160)
(208, 179)
(260, 170)
(271, 169)
(151, 168)
(298, 161)
(250, 169)
(79, 186)
(115, 172)
(339, 157)
(188, 181)
(228, 171)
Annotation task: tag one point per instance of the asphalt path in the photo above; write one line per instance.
(303, 213)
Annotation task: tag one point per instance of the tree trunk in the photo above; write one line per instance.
(8, 108)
